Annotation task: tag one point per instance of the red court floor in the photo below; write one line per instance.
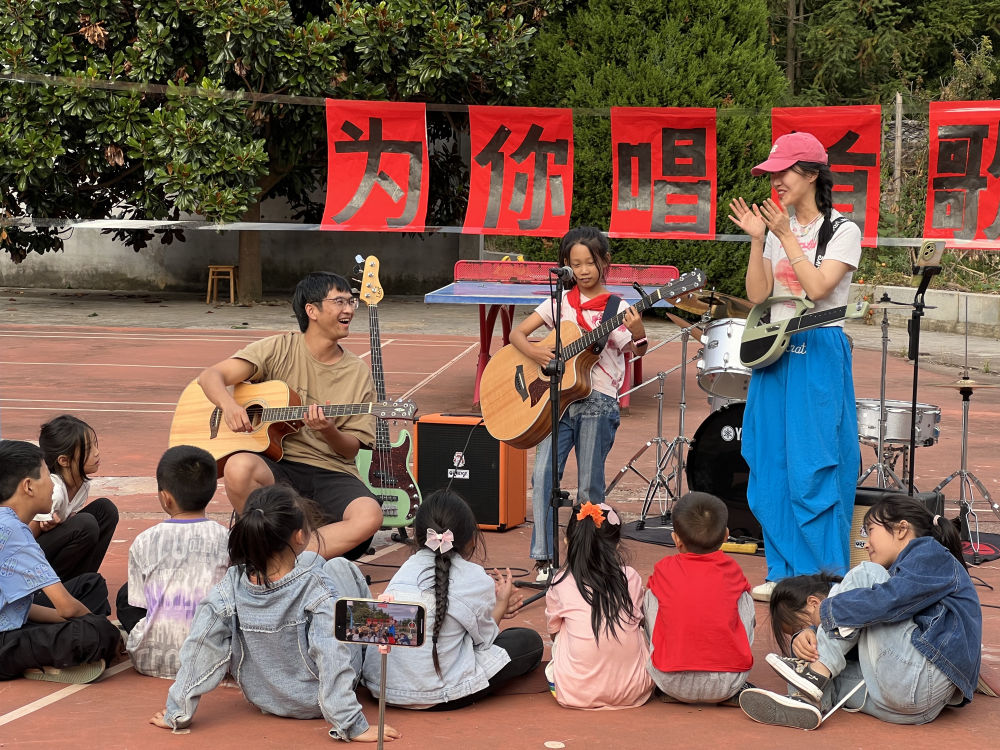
(125, 382)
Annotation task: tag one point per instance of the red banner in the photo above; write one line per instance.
(377, 170)
(852, 137)
(963, 179)
(521, 176)
(663, 172)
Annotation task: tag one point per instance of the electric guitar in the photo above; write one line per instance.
(764, 343)
(275, 412)
(385, 468)
(514, 393)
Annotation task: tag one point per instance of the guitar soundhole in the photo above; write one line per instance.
(254, 411)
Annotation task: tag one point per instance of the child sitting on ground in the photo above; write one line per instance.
(173, 565)
(909, 619)
(699, 613)
(593, 610)
(469, 656)
(269, 622)
(48, 630)
(76, 534)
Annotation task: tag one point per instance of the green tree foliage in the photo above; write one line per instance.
(863, 51)
(81, 151)
(650, 53)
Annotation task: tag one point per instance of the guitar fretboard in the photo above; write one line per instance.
(382, 438)
(296, 413)
(686, 283)
(816, 319)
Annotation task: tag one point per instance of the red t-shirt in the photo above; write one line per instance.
(698, 626)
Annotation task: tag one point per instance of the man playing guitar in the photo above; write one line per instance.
(318, 460)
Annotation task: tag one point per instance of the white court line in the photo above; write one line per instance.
(66, 692)
(437, 372)
(118, 403)
(64, 365)
(76, 408)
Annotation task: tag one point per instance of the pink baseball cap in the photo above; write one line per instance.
(789, 149)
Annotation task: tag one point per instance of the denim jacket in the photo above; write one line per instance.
(466, 652)
(278, 644)
(928, 585)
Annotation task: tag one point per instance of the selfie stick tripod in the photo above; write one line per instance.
(554, 369)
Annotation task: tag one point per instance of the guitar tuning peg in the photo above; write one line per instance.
(359, 259)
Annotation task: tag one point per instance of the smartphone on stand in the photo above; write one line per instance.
(382, 623)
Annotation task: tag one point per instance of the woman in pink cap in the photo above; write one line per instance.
(800, 432)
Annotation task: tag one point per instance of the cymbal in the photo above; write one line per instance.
(695, 331)
(965, 383)
(727, 304)
(690, 303)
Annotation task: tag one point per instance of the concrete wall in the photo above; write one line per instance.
(945, 311)
(409, 264)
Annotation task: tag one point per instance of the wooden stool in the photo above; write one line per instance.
(221, 272)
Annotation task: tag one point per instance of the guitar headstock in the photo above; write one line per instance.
(395, 410)
(366, 276)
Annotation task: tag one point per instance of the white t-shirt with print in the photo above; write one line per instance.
(609, 372)
(845, 246)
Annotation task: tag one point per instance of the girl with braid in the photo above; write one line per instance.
(800, 427)
(269, 623)
(593, 609)
(469, 656)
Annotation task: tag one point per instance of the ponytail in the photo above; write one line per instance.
(443, 511)
(892, 509)
(270, 517)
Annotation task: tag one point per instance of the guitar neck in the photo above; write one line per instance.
(812, 320)
(298, 413)
(590, 338)
(382, 437)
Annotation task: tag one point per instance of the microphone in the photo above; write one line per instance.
(563, 272)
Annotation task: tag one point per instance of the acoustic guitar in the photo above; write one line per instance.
(275, 412)
(385, 468)
(514, 392)
(763, 344)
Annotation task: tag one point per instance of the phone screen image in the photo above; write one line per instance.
(364, 621)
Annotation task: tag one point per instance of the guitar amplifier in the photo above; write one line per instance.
(457, 449)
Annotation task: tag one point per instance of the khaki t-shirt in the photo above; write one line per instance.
(285, 357)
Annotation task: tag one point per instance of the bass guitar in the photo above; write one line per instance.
(385, 468)
(275, 412)
(514, 393)
(763, 344)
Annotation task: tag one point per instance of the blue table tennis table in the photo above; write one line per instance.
(499, 286)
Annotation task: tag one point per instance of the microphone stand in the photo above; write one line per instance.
(913, 353)
(554, 369)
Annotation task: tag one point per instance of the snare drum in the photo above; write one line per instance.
(897, 422)
(716, 465)
(719, 369)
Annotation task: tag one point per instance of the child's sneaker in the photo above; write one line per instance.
(734, 699)
(78, 675)
(780, 710)
(799, 673)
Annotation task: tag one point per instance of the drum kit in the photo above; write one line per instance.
(715, 463)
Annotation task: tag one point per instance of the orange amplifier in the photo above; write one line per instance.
(490, 475)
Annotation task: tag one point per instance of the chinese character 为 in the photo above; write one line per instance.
(375, 147)
(960, 178)
(682, 155)
(541, 182)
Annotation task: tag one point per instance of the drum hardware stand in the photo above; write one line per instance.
(966, 479)
(885, 457)
(673, 454)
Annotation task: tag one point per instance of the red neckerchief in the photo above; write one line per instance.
(598, 303)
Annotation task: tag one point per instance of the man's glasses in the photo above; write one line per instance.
(340, 301)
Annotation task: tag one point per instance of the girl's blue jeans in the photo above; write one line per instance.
(590, 425)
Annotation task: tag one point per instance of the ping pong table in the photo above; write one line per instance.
(498, 286)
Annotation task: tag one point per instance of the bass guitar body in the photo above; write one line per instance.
(386, 471)
(514, 393)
